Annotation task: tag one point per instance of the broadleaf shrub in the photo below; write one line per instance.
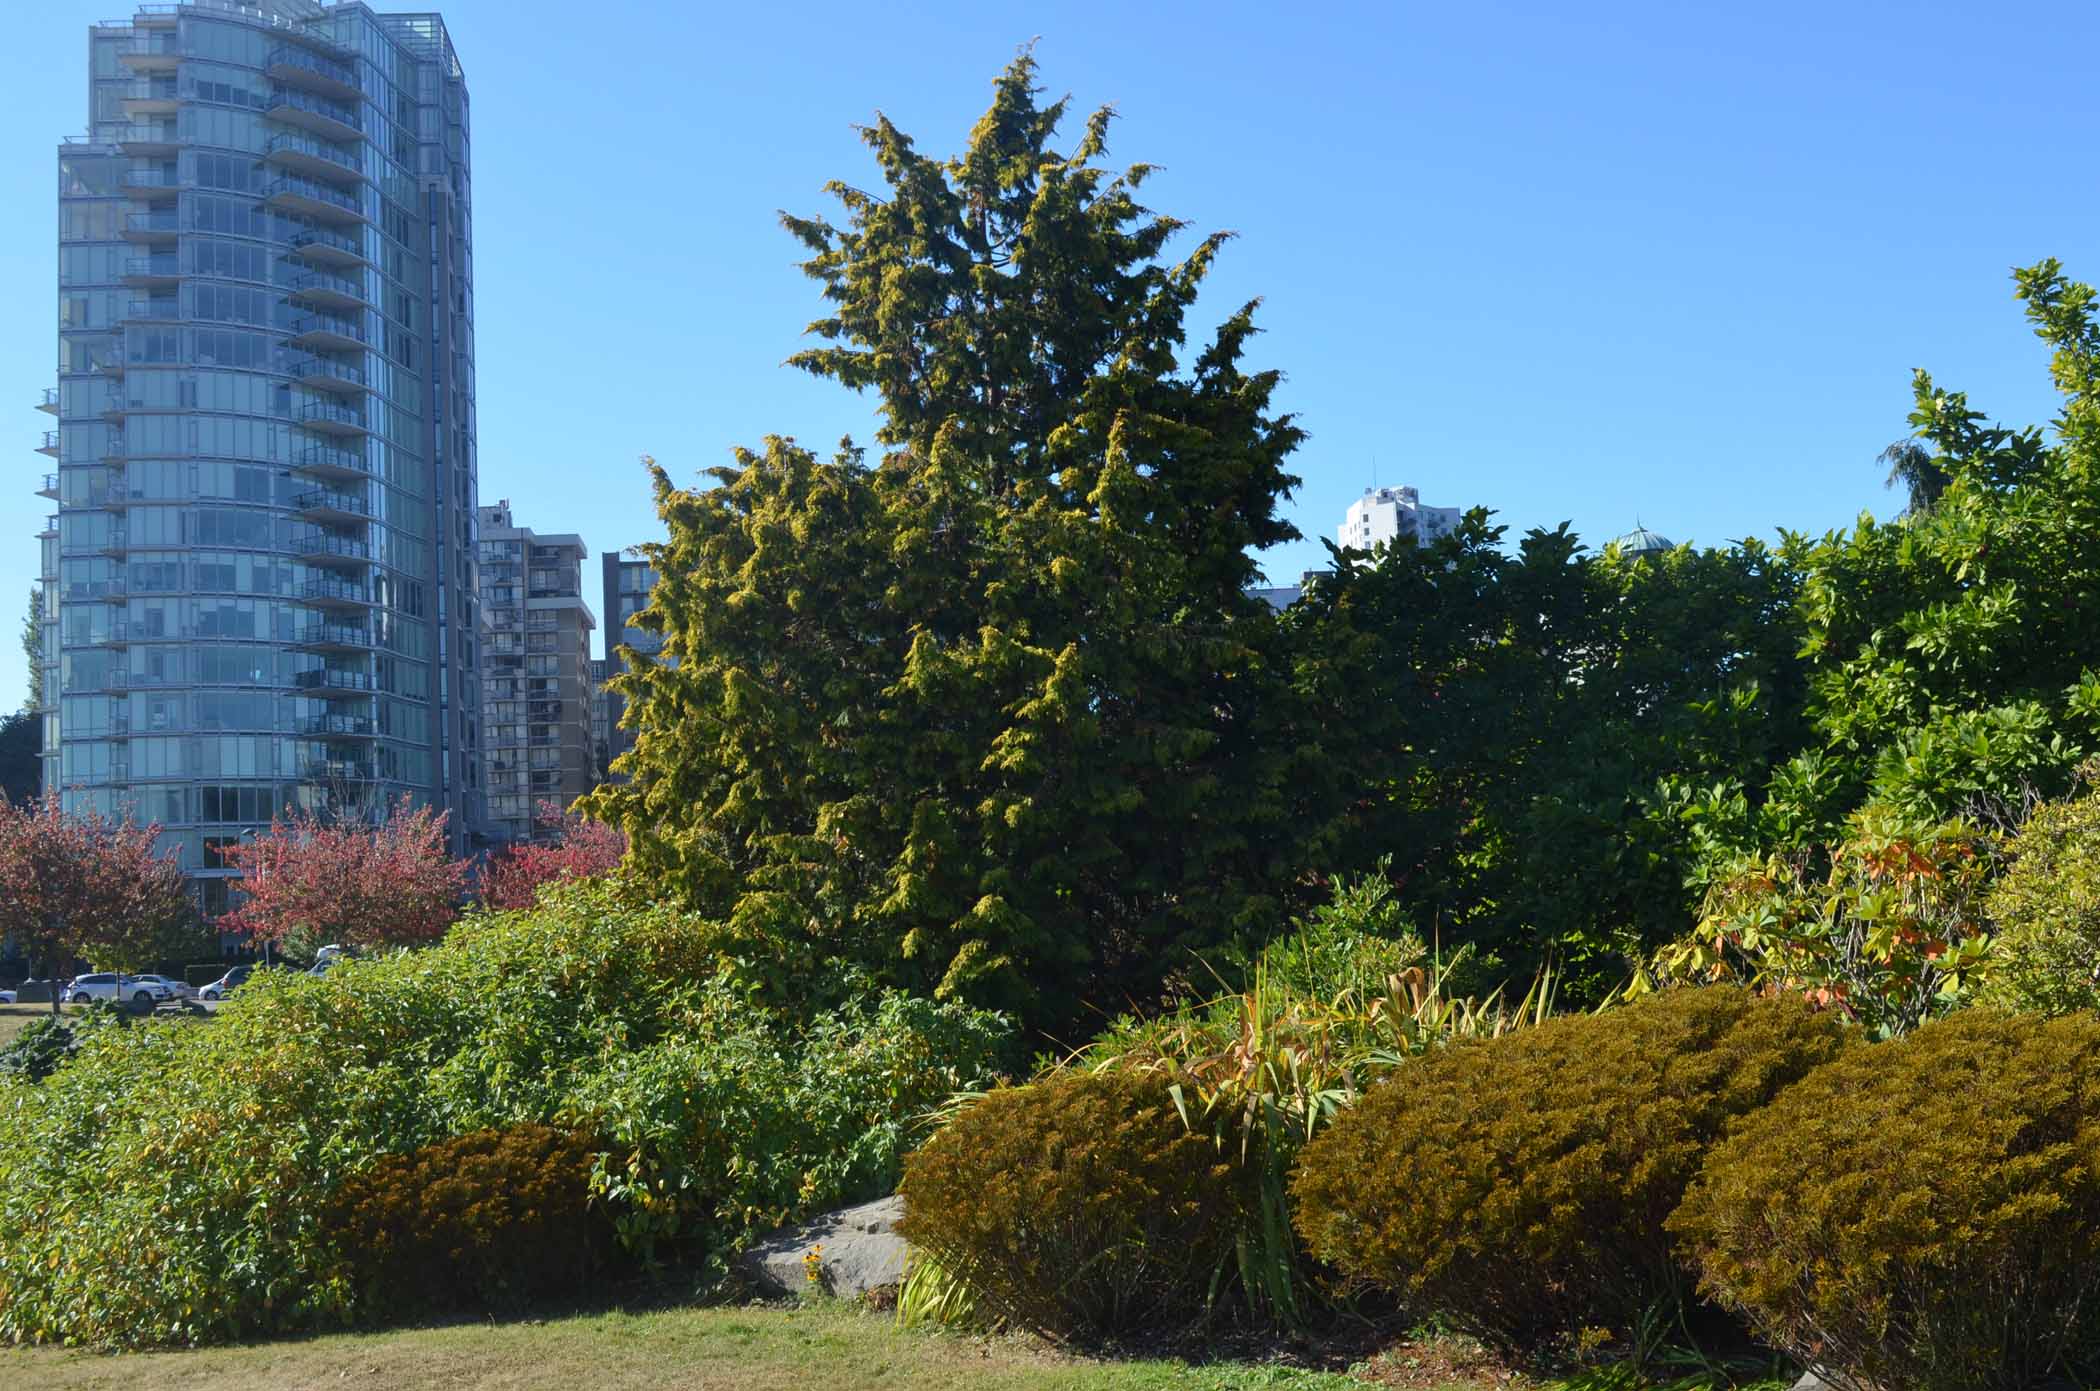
(37, 1051)
(1080, 1206)
(1517, 1187)
(2046, 908)
(1923, 1213)
(486, 1220)
(167, 1184)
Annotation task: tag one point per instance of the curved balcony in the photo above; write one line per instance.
(319, 332)
(339, 727)
(335, 594)
(151, 311)
(329, 679)
(324, 461)
(323, 246)
(150, 97)
(325, 291)
(318, 159)
(151, 272)
(329, 374)
(311, 72)
(304, 197)
(148, 139)
(150, 53)
(323, 548)
(150, 185)
(331, 120)
(159, 226)
(336, 770)
(331, 418)
(329, 505)
(332, 637)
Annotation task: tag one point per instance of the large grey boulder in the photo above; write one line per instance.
(860, 1251)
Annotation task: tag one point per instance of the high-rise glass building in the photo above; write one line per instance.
(259, 582)
(628, 583)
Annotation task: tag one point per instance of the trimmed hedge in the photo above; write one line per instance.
(1924, 1213)
(1080, 1206)
(1518, 1187)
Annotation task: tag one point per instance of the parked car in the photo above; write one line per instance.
(177, 989)
(225, 985)
(106, 985)
(7, 997)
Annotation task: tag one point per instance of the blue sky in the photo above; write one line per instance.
(1658, 261)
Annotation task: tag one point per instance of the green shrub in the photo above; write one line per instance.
(2046, 908)
(36, 1052)
(485, 1220)
(167, 1184)
(1923, 1213)
(1517, 1187)
(1081, 1206)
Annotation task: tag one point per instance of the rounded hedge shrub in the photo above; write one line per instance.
(1517, 1187)
(1080, 1206)
(2046, 910)
(485, 1220)
(1923, 1213)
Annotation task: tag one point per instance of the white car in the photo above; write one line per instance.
(177, 989)
(142, 991)
(7, 997)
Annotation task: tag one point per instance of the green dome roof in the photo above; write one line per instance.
(1641, 541)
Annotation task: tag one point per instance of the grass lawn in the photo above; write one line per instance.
(15, 1018)
(831, 1347)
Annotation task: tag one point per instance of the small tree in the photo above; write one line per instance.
(578, 849)
(312, 882)
(82, 884)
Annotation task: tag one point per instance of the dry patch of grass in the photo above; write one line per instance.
(15, 1018)
(835, 1348)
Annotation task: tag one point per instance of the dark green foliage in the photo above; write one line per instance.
(36, 1052)
(485, 1221)
(1080, 1206)
(992, 716)
(21, 748)
(1517, 1188)
(1923, 1213)
(1524, 723)
(166, 1185)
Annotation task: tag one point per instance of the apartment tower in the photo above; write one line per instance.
(536, 673)
(259, 578)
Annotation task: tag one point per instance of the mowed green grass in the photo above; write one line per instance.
(827, 1347)
(15, 1018)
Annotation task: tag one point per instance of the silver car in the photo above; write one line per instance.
(177, 989)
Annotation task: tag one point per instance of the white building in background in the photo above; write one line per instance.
(1387, 514)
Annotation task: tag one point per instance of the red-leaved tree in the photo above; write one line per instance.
(579, 849)
(80, 884)
(312, 883)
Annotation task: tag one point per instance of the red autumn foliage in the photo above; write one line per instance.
(312, 882)
(580, 850)
(76, 884)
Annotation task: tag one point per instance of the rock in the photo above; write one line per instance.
(857, 1250)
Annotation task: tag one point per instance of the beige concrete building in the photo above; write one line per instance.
(535, 672)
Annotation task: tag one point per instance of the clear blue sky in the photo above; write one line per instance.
(1593, 263)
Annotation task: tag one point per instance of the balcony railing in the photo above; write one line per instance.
(160, 223)
(336, 770)
(320, 543)
(329, 500)
(306, 145)
(329, 679)
(339, 591)
(302, 194)
(321, 282)
(153, 268)
(314, 240)
(299, 61)
(329, 326)
(334, 112)
(337, 724)
(325, 369)
(151, 181)
(50, 444)
(49, 403)
(332, 635)
(322, 458)
(326, 414)
(153, 309)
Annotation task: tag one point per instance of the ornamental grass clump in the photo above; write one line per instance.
(1517, 1188)
(1080, 1207)
(1922, 1214)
